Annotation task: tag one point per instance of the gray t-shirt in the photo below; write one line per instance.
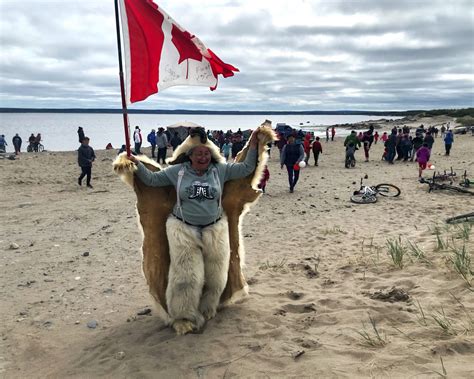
(199, 195)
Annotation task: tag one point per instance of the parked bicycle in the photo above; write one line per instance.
(32, 147)
(368, 194)
(465, 181)
(447, 176)
(434, 186)
(468, 217)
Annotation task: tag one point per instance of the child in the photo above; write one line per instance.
(422, 157)
(317, 149)
(264, 180)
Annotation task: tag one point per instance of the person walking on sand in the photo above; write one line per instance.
(291, 155)
(429, 140)
(333, 133)
(307, 147)
(366, 140)
(327, 134)
(162, 145)
(376, 137)
(85, 157)
(3, 144)
(137, 138)
(448, 141)
(317, 149)
(17, 141)
(151, 138)
(422, 157)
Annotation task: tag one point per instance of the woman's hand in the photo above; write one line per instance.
(253, 143)
(132, 158)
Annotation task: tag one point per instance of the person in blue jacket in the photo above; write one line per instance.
(448, 141)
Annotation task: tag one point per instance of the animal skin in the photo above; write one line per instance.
(154, 204)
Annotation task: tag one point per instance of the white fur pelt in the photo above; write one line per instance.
(199, 262)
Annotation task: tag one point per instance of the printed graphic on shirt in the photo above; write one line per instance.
(200, 191)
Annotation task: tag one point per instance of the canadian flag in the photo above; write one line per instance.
(159, 53)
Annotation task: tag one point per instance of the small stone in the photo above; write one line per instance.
(14, 246)
(92, 324)
(297, 354)
(77, 322)
(85, 254)
(119, 355)
(77, 278)
(144, 311)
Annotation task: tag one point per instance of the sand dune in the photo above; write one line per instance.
(317, 265)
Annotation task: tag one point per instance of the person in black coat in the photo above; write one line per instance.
(85, 157)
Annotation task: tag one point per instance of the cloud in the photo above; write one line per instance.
(298, 55)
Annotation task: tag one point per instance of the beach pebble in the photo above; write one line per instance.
(85, 254)
(297, 354)
(14, 246)
(144, 311)
(119, 355)
(92, 324)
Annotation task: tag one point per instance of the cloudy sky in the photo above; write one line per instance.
(292, 54)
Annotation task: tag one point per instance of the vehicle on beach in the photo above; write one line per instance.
(460, 129)
(368, 194)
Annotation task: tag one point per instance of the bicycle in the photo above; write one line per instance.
(468, 217)
(433, 186)
(368, 194)
(446, 176)
(466, 182)
(31, 148)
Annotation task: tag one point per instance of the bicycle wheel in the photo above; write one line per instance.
(40, 148)
(29, 149)
(468, 217)
(363, 199)
(388, 190)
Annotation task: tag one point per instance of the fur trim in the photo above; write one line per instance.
(125, 168)
(179, 155)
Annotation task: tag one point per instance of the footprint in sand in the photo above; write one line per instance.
(299, 308)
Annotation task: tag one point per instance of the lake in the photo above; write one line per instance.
(59, 130)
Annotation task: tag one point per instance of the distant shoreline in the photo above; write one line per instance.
(204, 112)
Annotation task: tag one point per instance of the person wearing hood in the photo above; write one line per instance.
(197, 228)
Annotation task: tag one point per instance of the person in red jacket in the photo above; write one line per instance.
(317, 149)
(307, 147)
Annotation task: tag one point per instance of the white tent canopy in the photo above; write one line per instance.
(182, 128)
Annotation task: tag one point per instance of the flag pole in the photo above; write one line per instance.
(122, 85)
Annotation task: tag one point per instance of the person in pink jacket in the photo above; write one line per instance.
(422, 157)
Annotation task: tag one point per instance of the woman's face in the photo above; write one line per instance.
(200, 158)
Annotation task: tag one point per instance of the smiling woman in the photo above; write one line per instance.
(198, 224)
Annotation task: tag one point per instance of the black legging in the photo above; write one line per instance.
(86, 171)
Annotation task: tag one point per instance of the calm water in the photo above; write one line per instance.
(59, 130)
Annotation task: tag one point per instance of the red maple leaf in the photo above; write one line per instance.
(184, 44)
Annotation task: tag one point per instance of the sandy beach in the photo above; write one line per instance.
(326, 299)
